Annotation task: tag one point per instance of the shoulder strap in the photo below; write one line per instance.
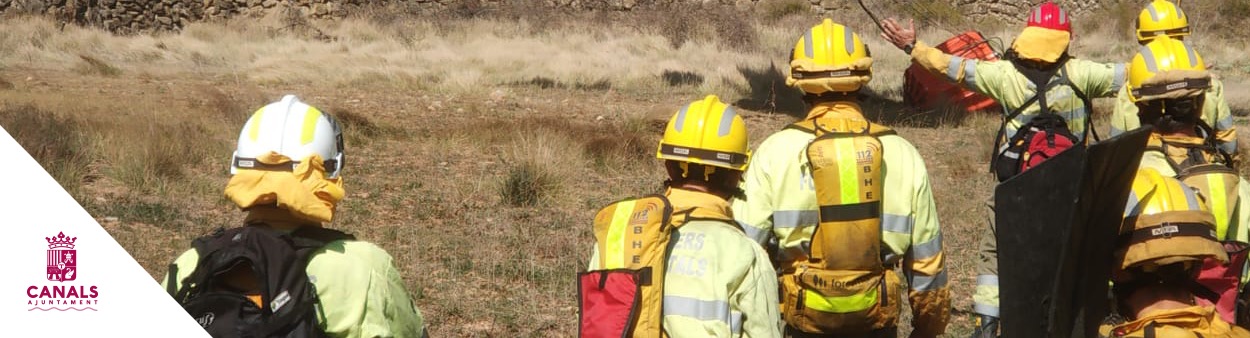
(880, 130)
(1089, 106)
(318, 236)
(1039, 97)
(810, 127)
(806, 126)
(1210, 139)
(1163, 148)
(171, 280)
(205, 247)
(212, 242)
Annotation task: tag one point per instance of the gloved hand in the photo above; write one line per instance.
(987, 327)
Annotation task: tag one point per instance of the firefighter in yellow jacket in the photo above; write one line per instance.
(1167, 84)
(288, 175)
(837, 224)
(716, 281)
(1165, 19)
(1038, 55)
(1166, 234)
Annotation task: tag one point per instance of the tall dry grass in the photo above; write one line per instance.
(480, 142)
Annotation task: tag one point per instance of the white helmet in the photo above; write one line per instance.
(293, 129)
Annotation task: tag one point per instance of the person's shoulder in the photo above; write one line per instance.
(896, 143)
(782, 144)
(352, 252)
(786, 137)
(1081, 70)
(727, 233)
(999, 63)
(1217, 87)
(1079, 62)
(189, 258)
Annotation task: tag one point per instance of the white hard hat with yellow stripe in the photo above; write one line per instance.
(707, 132)
(293, 129)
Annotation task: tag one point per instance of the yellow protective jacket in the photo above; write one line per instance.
(1215, 112)
(360, 291)
(1000, 81)
(781, 203)
(1194, 321)
(717, 282)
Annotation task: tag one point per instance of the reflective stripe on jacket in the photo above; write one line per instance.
(1215, 112)
(717, 282)
(781, 203)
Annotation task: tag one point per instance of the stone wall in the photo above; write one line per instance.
(133, 16)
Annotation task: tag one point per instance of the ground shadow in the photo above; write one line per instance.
(767, 91)
(884, 108)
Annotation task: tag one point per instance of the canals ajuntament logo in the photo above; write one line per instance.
(62, 265)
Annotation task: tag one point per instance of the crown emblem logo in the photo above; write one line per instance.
(60, 241)
(62, 258)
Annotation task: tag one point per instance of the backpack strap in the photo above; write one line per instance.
(806, 126)
(1163, 148)
(1209, 139)
(1089, 106)
(205, 247)
(282, 323)
(877, 130)
(810, 127)
(171, 280)
(1039, 97)
(316, 237)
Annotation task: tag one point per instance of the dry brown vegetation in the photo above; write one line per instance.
(481, 142)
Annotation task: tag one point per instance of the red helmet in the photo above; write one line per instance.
(1048, 15)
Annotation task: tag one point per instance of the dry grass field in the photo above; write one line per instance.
(480, 143)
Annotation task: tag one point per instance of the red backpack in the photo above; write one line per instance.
(1043, 136)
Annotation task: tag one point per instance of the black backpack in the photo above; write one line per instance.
(277, 262)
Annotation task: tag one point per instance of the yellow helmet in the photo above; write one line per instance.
(829, 58)
(1161, 18)
(706, 132)
(1165, 222)
(1167, 68)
